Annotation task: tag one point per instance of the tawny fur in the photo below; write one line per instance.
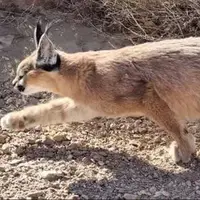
(160, 80)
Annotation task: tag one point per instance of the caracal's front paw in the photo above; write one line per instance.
(13, 121)
(174, 152)
(179, 155)
(183, 154)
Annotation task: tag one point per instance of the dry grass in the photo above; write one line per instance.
(140, 20)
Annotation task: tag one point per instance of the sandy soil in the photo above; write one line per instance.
(100, 159)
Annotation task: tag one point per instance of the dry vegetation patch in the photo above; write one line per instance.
(140, 20)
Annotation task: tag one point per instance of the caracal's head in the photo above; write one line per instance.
(37, 72)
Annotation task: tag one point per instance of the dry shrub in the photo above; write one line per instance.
(141, 20)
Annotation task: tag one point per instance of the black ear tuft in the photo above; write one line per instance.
(38, 30)
(50, 24)
(38, 33)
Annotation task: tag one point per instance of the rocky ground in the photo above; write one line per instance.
(100, 159)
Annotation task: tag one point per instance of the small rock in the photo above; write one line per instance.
(198, 192)
(46, 140)
(129, 196)
(2, 168)
(70, 156)
(84, 196)
(13, 155)
(56, 185)
(59, 137)
(51, 175)
(86, 160)
(20, 150)
(197, 182)
(79, 174)
(155, 175)
(4, 178)
(170, 184)
(73, 197)
(66, 143)
(152, 189)
(102, 153)
(143, 192)
(16, 197)
(38, 128)
(101, 163)
(165, 193)
(16, 174)
(189, 184)
(35, 194)
(6, 148)
(73, 145)
(15, 162)
(112, 125)
(119, 196)
(184, 184)
(3, 138)
(158, 194)
(162, 193)
(31, 141)
(161, 152)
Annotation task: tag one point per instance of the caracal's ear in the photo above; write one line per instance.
(38, 33)
(47, 57)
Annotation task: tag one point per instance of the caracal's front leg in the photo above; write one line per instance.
(56, 111)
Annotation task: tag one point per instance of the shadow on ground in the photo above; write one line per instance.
(130, 174)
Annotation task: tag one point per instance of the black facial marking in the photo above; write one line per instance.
(21, 88)
(50, 67)
(20, 77)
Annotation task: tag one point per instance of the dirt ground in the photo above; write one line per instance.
(100, 159)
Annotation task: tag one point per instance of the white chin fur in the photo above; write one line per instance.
(32, 90)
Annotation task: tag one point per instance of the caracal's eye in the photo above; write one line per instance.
(22, 74)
